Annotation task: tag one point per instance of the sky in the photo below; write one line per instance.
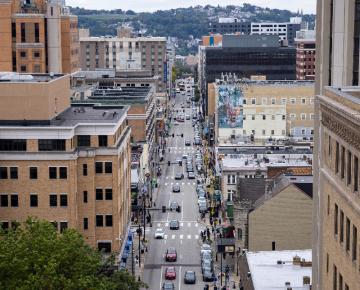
(308, 6)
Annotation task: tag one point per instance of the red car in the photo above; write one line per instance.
(170, 273)
(170, 255)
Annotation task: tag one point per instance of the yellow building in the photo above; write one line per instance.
(38, 36)
(68, 165)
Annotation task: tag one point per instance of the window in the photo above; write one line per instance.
(337, 153)
(63, 226)
(231, 179)
(108, 167)
(22, 32)
(52, 145)
(273, 101)
(272, 132)
(13, 173)
(303, 101)
(23, 54)
(272, 117)
(108, 193)
(13, 30)
(240, 234)
(292, 101)
(108, 221)
(63, 172)
(340, 282)
(327, 263)
(85, 196)
(252, 117)
(86, 223)
(14, 200)
(36, 54)
(264, 117)
(52, 173)
(264, 132)
(63, 200)
(83, 140)
(264, 101)
(356, 173)
(354, 243)
(4, 200)
(341, 226)
(33, 200)
(4, 225)
(336, 213)
(99, 221)
(23, 68)
(85, 170)
(98, 167)
(12, 145)
(283, 117)
(292, 116)
(303, 116)
(3, 173)
(103, 141)
(99, 194)
(104, 247)
(33, 174)
(36, 34)
(253, 101)
(283, 101)
(53, 200)
(312, 116)
(349, 159)
(273, 245)
(342, 163)
(334, 278)
(347, 241)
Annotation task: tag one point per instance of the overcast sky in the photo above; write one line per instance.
(309, 6)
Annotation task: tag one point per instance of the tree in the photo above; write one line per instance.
(36, 256)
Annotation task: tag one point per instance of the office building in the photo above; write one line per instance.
(229, 25)
(126, 53)
(68, 165)
(305, 55)
(38, 36)
(336, 175)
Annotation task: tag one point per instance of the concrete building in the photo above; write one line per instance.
(305, 55)
(126, 53)
(38, 36)
(336, 202)
(229, 25)
(68, 165)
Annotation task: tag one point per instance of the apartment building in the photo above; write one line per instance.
(38, 36)
(126, 53)
(336, 199)
(68, 165)
(305, 55)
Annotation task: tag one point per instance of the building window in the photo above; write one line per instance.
(98, 167)
(63, 172)
(253, 101)
(340, 282)
(347, 240)
(14, 200)
(264, 117)
(13, 30)
(12, 145)
(4, 200)
(303, 116)
(341, 226)
(337, 153)
(23, 54)
(252, 117)
(3, 173)
(52, 145)
(99, 194)
(52, 173)
(108, 221)
(86, 223)
(23, 68)
(33, 174)
(37, 33)
(63, 200)
(283, 101)
(327, 263)
(22, 32)
(108, 193)
(83, 140)
(4, 225)
(108, 167)
(336, 216)
(240, 234)
(33, 200)
(273, 101)
(312, 116)
(231, 179)
(264, 132)
(334, 278)
(85, 196)
(273, 117)
(292, 116)
(53, 200)
(13, 173)
(85, 170)
(104, 247)
(356, 173)
(273, 245)
(99, 220)
(36, 54)
(349, 160)
(103, 141)
(303, 101)
(292, 101)
(342, 163)
(354, 243)
(63, 226)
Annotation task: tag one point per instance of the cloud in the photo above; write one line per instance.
(308, 6)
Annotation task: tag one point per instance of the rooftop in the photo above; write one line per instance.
(269, 149)
(115, 38)
(13, 77)
(267, 274)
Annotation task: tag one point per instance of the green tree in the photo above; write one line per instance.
(34, 256)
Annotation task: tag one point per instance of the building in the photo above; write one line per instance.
(212, 40)
(247, 110)
(246, 56)
(286, 30)
(282, 218)
(336, 202)
(126, 53)
(273, 270)
(305, 55)
(38, 36)
(229, 25)
(67, 165)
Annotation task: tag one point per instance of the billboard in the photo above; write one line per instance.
(230, 106)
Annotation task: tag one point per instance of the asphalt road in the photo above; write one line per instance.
(186, 239)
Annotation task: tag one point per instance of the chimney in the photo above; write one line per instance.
(306, 280)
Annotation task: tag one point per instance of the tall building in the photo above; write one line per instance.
(38, 36)
(228, 25)
(68, 165)
(336, 260)
(126, 53)
(305, 55)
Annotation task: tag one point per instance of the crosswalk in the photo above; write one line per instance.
(182, 150)
(181, 237)
(182, 224)
(179, 183)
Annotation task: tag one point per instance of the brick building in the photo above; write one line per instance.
(305, 55)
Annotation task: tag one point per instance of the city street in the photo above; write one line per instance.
(186, 239)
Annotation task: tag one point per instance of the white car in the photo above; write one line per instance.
(159, 234)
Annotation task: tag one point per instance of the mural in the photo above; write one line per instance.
(230, 107)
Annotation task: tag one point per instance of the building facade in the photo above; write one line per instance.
(67, 165)
(38, 36)
(305, 55)
(229, 25)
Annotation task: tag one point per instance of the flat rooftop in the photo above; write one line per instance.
(271, 149)
(267, 274)
(277, 83)
(13, 77)
(115, 38)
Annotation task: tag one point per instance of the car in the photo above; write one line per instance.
(179, 161)
(179, 176)
(170, 255)
(174, 205)
(208, 276)
(168, 286)
(176, 123)
(174, 225)
(189, 169)
(187, 143)
(191, 175)
(197, 142)
(159, 234)
(201, 199)
(185, 156)
(170, 273)
(189, 277)
(176, 188)
(199, 187)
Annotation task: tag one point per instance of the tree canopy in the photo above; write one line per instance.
(36, 256)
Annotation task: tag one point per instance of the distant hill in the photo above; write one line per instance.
(181, 22)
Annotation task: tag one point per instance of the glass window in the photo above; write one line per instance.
(63, 172)
(14, 200)
(85, 196)
(85, 170)
(86, 223)
(3, 173)
(4, 200)
(33, 172)
(98, 167)
(103, 141)
(33, 200)
(52, 172)
(99, 194)
(53, 200)
(12, 145)
(108, 167)
(63, 200)
(83, 140)
(108, 221)
(52, 145)
(108, 193)
(63, 226)
(13, 172)
(99, 220)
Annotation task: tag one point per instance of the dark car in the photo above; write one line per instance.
(176, 188)
(174, 225)
(171, 255)
(208, 276)
(179, 176)
(168, 286)
(187, 143)
(189, 277)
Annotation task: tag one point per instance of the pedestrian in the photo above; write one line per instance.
(201, 234)
(219, 221)
(208, 235)
(207, 231)
(212, 229)
(211, 221)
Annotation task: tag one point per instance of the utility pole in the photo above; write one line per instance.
(139, 230)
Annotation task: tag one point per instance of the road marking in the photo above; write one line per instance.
(181, 237)
(181, 224)
(159, 225)
(180, 276)
(173, 237)
(161, 276)
(166, 224)
(189, 183)
(196, 237)
(196, 225)
(183, 183)
(165, 237)
(189, 224)
(166, 184)
(189, 237)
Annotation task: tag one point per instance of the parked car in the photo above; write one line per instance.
(170, 255)
(174, 225)
(190, 277)
(159, 234)
(170, 273)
